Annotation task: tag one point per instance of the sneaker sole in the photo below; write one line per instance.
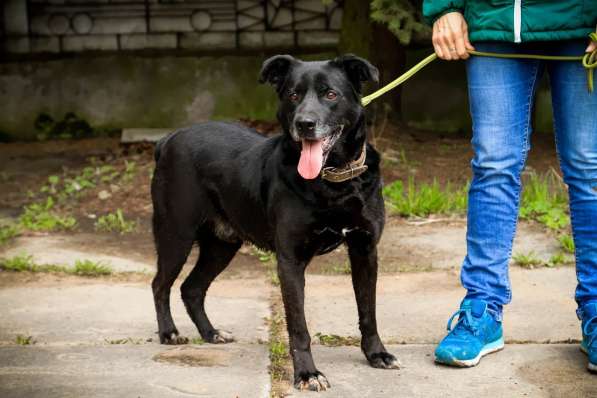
(591, 366)
(490, 348)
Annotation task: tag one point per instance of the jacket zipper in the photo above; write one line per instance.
(517, 20)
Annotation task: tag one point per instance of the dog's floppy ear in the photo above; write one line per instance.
(275, 70)
(358, 70)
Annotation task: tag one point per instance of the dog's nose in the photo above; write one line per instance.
(305, 126)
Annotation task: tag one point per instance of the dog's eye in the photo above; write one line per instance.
(293, 97)
(331, 95)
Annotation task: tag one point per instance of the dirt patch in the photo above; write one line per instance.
(405, 247)
(194, 356)
(444, 157)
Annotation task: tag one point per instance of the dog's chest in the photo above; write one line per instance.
(327, 238)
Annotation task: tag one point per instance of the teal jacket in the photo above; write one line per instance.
(520, 20)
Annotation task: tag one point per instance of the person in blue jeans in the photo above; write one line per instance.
(501, 93)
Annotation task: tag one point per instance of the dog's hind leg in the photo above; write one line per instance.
(214, 255)
(172, 254)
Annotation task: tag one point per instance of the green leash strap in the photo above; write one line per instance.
(589, 62)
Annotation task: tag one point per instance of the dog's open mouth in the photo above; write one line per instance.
(315, 152)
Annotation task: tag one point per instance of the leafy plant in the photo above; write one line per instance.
(7, 232)
(402, 18)
(424, 199)
(544, 199)
(130, 169)
(115, 222)
(24, 340)
(71, 126)
(40, 217)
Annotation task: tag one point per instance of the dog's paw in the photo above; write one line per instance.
(312, 382)
(221, 337)
(172, 338)
(384, 360)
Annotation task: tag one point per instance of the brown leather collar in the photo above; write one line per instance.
(348, 172)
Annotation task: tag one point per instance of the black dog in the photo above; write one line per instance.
(220, 184)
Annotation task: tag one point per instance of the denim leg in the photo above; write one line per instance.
(575, 118)
(501, 95)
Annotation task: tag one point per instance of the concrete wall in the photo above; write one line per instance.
(121, 90)
(148, 64)
(131, 91)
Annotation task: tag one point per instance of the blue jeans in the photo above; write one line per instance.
(501, 93)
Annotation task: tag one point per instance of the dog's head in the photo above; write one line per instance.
(318, 102)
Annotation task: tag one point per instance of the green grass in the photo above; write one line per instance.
(544, 199)
(8, 232)
(90, 268)
(19, 264)
(567, 243)
(24, 340)
(127, 340)
(424, 199)
(263, 255)
(557, 259)
(115, 222)
(279, 354)
(25, 263)
(268, 259)
(527, 260)
(41, 217)
(333, 340)
(130, 169)
(197, 341)
(339, 269)
(73, 184)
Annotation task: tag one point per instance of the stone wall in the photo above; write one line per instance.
(73, 26)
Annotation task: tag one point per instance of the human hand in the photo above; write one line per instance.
(592, 45)
(450, 37)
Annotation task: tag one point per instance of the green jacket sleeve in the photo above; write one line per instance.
(433, 9)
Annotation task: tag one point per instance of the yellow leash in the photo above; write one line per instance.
(589, 62)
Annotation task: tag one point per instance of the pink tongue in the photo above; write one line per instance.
(311, 159)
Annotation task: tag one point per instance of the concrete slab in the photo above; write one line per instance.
(442, 245)
(414, 307)
(549, 370)
(132, 135)
(58, 250)
(100, 312)
(234, 370)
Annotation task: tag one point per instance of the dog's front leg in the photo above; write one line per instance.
(292, 283)
(363, 261)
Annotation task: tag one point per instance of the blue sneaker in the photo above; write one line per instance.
(475, 335)
(589, 334)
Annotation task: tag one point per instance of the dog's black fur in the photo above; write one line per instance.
(219, 184)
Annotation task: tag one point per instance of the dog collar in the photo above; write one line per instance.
(348, 172)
